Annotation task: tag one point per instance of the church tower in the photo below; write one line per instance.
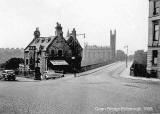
(113, 43)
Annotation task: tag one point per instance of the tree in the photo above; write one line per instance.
(13, 63)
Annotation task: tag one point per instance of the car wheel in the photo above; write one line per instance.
(13, 79)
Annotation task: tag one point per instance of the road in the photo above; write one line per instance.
(100, 92)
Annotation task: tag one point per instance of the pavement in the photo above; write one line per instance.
(22, 78)
(126, 74)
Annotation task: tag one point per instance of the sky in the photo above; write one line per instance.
(95, 18)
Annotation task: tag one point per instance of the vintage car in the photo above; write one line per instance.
(51, 75)
(8, 75)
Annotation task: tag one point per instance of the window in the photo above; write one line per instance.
(155, 31)
(43, 39)
(156, 7)
(26, 61)
(154, 57)
(48, 40)
(52, 52)
(60, 53)
(37, 40)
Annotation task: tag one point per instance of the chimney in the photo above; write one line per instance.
(115, 32)
(58, 31)
(37, 33)
(68, 34)
(74, 33)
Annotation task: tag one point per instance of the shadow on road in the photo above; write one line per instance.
(19, 80)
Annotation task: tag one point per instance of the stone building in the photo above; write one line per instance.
(93, 54)
(64, 53)
(153, 54)
(120, 55)
(96, 54)
(52, 52)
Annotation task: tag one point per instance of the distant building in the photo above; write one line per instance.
(93, 54)
(120, 55)
(96, 54)
(153, 54)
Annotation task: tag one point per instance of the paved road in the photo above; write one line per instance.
(101, 92)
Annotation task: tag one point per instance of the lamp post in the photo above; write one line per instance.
(126, 55)
(74, 69)
(37, 68)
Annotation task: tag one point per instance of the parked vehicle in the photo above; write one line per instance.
(8, 75)
(138, 69)
(52, 75)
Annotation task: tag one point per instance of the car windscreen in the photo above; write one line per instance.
(10, 72)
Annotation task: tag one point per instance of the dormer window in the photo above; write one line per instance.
(156, 7)
(48, 40)
(37, 40)
(43, 39)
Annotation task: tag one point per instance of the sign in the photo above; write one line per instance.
(59, 62)
(155, 43)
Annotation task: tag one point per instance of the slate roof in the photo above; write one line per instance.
(41, 42)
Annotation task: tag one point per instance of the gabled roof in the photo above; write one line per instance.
(73, 42)
(41, 42)
(55, 39)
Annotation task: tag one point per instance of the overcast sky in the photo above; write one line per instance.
(19, 18)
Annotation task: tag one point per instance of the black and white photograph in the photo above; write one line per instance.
(79, 56)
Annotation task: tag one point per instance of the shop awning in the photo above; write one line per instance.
(59, 62)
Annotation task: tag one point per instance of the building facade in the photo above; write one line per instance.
(53, 52)
(96, 54)
(93, 54)
(153, 54)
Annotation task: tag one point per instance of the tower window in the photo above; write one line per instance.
(155, 31)
(154, 57)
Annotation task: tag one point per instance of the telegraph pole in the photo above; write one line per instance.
(84, 35)
(73, 58)
(126, 55)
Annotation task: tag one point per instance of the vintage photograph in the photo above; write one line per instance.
(80, 57)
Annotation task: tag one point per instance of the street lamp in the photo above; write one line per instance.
(126, 55)
(73, 58)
